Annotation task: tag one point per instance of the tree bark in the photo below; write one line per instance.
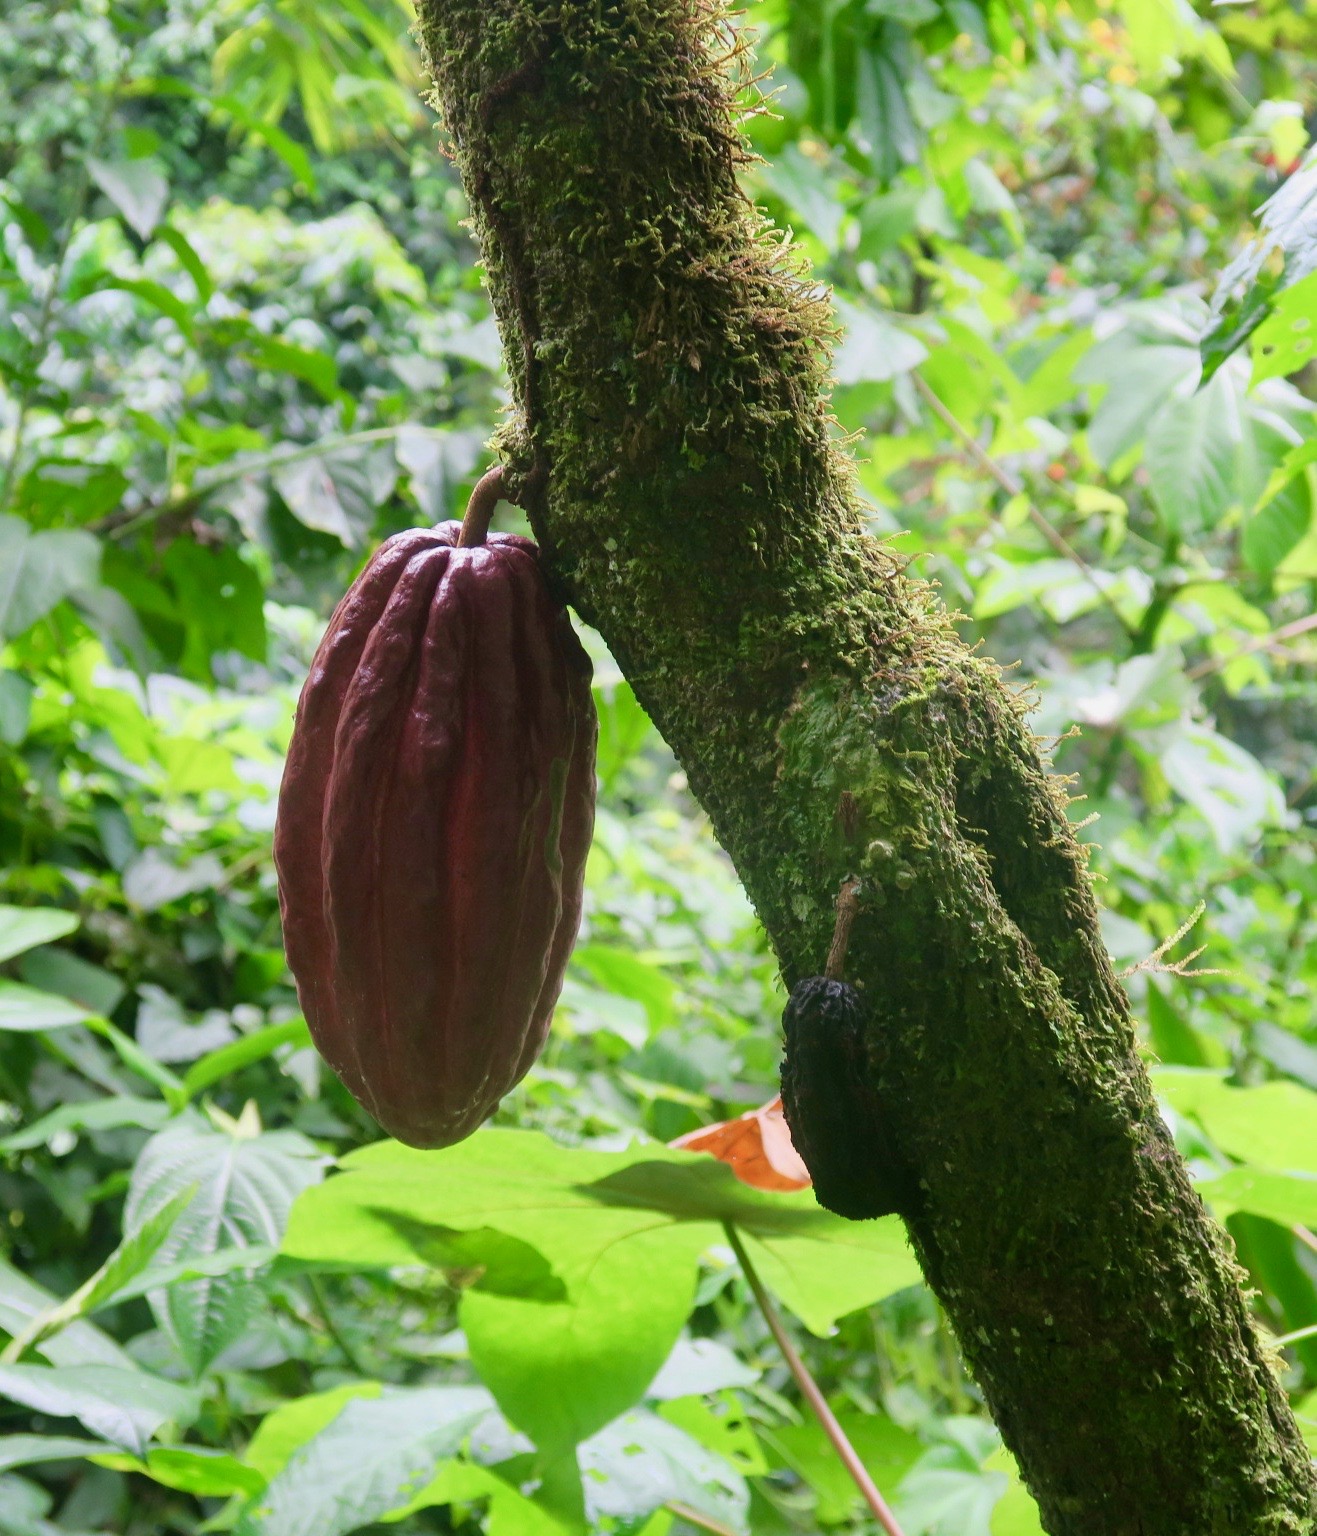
(673, 447)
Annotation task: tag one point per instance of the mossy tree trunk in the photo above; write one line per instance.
(673, 448)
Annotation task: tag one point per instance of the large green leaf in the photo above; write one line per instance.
(1281, 256)
(1140, 378)
(370, 1458)
(1286, 1198)
(640, 1462)
(38, 569)
(23, 928)
(125, 1406)
(246, 1182)
(887, 1450)
(292, 1424)
(562, 1370)
(1193, 449)
(1224, 783)
(620, 1230)
(139, 189)
(1272, 1124)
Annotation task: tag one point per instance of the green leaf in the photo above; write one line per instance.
(623, 973)
(836, 1270)
(127, 1261)
(291, 1425)
(293, 154)
(1285, 342)
(317, 369)
(337, 490)
(156, 295)
(641, 1462)
(24, 928)
(188, 259)
(1273, 1124)
(621, 1230)
(1286, 1198)
(1225, 784)
(136, 1059)
(36, 229)
(1280, 257)
(15, 708)
(153, 880)
(28, 1450)
(226, 1261)
(561, 1371)
(246, 1183)
(139, 189)
(231, 1058)
(1139, 378)
(67, 975)
(194, 1469)
(372, 1457)
(798, 182)
(38, 570)
(1193, 452)
(125, 1406)
(724, 1427)
(698, 1366)
(510, 1512)
(480, 1258)
(887, 1451)
(82, 1343)
(24, 1009)
(874, 348)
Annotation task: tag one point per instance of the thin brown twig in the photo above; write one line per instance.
(1015, 487)
(811, 1391)
(1267, 642)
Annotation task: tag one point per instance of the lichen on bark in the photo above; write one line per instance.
(673, 446)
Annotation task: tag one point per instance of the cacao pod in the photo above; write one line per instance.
(433, 825)
(836, 1119)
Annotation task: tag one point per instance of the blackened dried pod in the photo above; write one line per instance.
(835, 1117)
(433, 826)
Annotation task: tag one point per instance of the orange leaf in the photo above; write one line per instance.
(756, 1146)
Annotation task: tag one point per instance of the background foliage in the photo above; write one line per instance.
(243, 338)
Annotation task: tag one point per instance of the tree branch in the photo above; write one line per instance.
(669, 358)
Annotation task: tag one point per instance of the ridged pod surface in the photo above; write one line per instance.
(433, 824)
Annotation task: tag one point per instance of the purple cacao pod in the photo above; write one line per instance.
(433, 825)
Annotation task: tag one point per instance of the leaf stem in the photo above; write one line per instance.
(698, 1518)
(811, 1391)
(1284, 1340)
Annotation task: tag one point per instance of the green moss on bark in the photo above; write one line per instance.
(673, 446)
